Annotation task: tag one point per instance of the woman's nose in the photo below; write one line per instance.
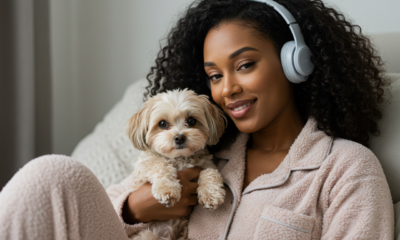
(231, 86)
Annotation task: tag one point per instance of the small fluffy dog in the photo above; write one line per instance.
(172, 129)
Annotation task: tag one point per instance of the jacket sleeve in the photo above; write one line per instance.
(360, 204)
(118, 194)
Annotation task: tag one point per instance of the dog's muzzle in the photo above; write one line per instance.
(179, 141)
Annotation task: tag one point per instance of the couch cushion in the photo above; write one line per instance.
(387, 146)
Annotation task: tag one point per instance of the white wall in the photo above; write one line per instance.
(379, 20)
(373, 16)
(99, 47)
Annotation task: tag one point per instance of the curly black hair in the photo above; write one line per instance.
(344, 93)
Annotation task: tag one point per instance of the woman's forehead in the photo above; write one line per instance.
(226, 35)
(229, 38)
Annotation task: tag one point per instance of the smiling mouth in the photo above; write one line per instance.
(243, 106)
(241, 111)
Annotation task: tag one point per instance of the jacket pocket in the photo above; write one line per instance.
(279, 223)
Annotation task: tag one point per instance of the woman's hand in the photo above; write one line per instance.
(141, 206)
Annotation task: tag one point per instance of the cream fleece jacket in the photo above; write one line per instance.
(324, 188)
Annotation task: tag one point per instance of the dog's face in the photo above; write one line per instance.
(176, 123)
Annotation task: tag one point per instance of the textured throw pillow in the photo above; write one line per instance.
(107, 151)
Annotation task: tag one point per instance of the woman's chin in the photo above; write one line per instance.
(246, 126)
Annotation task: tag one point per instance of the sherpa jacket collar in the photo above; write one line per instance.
(305, 153)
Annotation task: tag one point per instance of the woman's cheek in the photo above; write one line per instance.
(217, 98)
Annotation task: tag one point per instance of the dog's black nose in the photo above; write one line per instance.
(179, 139)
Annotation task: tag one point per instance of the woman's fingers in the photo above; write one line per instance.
(189, 193)
(193, 200)
(144, 207)
(190, 188)
(189, 174)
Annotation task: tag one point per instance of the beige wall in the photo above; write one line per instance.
(99, 47)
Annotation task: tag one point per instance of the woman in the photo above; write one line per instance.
(294, 156)
(287, 177)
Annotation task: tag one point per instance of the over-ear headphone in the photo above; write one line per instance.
(295, 55)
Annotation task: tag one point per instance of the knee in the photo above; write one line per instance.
(55, 166)
(54, 170)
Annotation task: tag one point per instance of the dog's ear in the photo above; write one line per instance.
(215, 119)
(138, 125)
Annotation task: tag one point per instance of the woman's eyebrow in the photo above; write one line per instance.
(234, 54)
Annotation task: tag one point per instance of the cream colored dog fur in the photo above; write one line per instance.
(172, 129)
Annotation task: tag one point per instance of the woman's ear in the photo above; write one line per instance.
(215, 119)
(138, 125)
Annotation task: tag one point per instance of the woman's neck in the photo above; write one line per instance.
(280, 134)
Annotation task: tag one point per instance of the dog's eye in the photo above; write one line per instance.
(191, 121)
(163, 124)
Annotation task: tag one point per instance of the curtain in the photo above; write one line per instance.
(25, 86)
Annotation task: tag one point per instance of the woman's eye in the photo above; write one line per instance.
(163, 124)
(246, 65)
(191, 121)
(243, 66)
(215, 77)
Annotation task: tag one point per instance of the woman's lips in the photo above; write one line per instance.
(240, 113)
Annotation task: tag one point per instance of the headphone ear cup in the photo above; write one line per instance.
(302, 61)
(287, 54)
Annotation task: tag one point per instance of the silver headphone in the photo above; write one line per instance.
(295, 55)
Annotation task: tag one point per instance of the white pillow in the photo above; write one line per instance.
(107, 151)
(387, 146)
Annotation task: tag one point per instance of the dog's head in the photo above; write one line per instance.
(176, 123)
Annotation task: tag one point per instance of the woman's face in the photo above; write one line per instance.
(247, 79)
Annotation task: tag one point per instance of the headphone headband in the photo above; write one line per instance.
(295, 55)
(289, 19)
(280, 9)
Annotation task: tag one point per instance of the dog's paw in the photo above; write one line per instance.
(167, 193)
(211, 192)
(168, 199)
(212, 200)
